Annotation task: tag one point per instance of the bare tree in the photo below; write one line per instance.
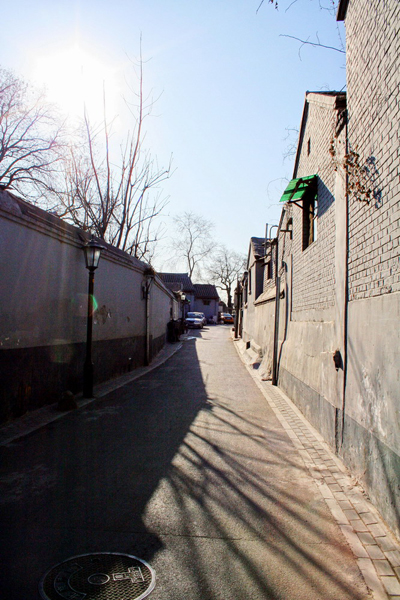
(117, 199)
(316, 44)
(30, 136)
(224, 269)
(193, 241)
(328, 5)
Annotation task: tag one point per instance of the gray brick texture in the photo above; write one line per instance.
(373, 92)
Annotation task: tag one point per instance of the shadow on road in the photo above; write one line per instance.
(181, 471)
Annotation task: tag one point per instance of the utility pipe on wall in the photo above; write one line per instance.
(276, 327)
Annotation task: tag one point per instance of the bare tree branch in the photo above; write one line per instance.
(224, 268)
(315, 44)
(193, 241)
(118, 199)
(31, 136)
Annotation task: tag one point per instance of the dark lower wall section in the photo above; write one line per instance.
(314, 407)
(378, 468)
(156, 344)
(33, 377)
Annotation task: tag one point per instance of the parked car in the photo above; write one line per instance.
(194, 320)
(203, 317)
(226, 318)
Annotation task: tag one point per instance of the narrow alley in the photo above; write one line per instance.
(221, 487)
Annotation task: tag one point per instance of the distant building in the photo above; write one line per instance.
(180, 282)
(206, 300)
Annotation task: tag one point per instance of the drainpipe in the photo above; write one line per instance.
(276, 328)
(237, 307)
(346, 297)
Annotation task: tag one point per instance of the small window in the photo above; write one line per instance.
(206, 302)
(268, 270)
(309, 219)
(259, 284)
(309, 147)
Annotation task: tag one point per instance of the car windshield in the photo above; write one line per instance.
(192, 316)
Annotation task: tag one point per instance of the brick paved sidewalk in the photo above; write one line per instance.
(375, 548)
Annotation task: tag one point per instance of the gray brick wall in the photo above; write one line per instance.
(373, 76)
(313, 268)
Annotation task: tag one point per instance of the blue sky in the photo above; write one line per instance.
(229, 86)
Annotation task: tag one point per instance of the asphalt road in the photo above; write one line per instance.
(187, 468)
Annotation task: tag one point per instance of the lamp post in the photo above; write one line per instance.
(149, 274)
(183, 300)
(92, 252)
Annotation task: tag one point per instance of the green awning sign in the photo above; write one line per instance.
(298, 187)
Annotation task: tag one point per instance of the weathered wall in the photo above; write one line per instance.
(43, 309)
(371, 443)
(343, 290)
(249, 297)
(312, 280)
(315, 325)
(161, 311)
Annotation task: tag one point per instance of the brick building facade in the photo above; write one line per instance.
(371, 436)
(331, 340)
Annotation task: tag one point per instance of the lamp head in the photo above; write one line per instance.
(92, 253)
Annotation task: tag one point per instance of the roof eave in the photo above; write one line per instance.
(342, 9)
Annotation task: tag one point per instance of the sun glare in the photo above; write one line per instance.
(74, 79)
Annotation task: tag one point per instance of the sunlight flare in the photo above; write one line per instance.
(74, 78)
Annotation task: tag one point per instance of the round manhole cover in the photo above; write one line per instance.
(104, 576)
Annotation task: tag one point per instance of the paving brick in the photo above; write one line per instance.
(391, 584)
(359, 525)
(386, 544)
(377, 530)
(374, 551)
(340, 496)
(394, 557)
(383, 567)
(368, 518)
(351, 514)
(360, 505)
(346, 505)
(330, 480)
(335, 487)
(366, 538)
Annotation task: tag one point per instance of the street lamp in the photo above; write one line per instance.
(183, 299)
(92, 252)
(149, 274)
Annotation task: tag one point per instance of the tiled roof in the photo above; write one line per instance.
(205, 290)
(179, 281)
(258, 246)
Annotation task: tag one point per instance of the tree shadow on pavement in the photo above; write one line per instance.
(199, 484)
